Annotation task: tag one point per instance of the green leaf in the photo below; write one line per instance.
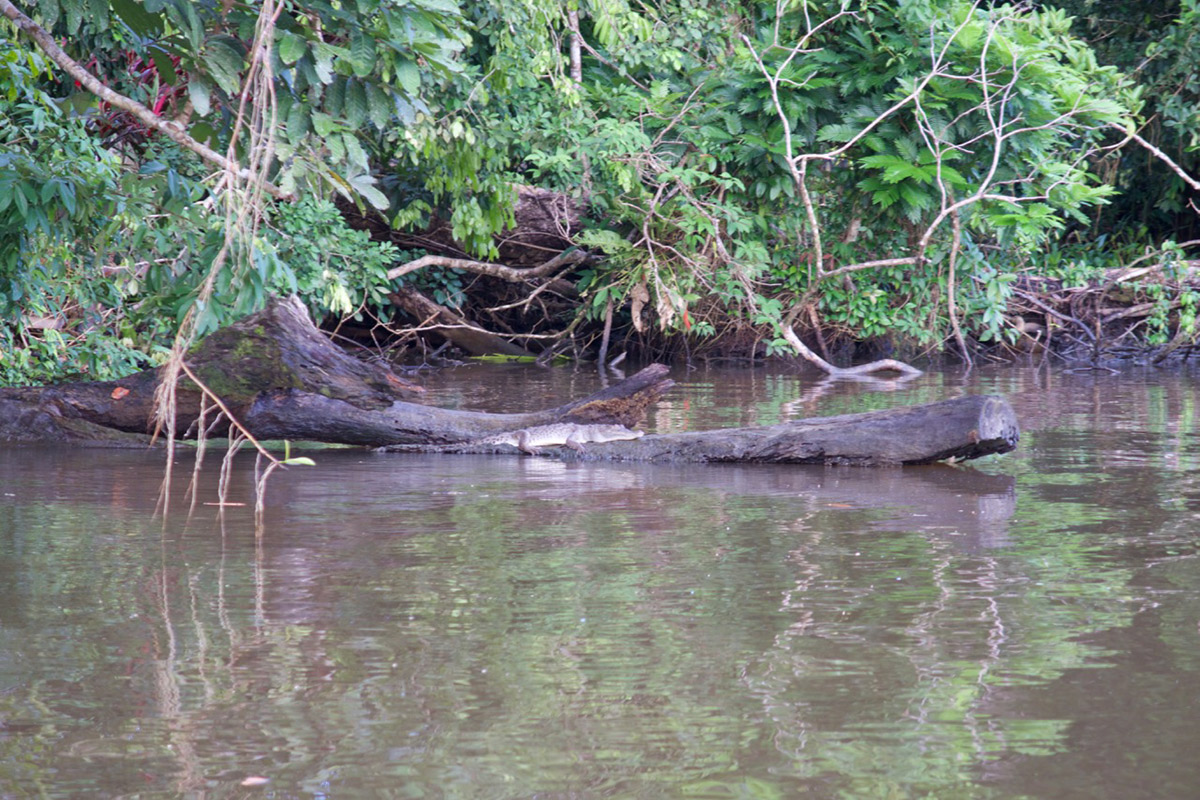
(365, 185)
(448, 7)
(335, 98)
(323, 124)
(200, 92)
(323, 62)
(50, 12)
(715, 134)
(164, 65)
(99, 14)
(141, 22)
(74, 11)
(409, 76)
(354, 151)
(355, 109)
(896, 169)
(297, 122)
(952, 177)
(190, 23)
(22, 200)
(914, 198)
(204, 132)
(299, 461)
(66, 193)
(224, 59)
(838, 132)
(291, 48)
(378, 106)
(362, 53)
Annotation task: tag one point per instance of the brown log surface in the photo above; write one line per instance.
(956, 429)
(283, 379)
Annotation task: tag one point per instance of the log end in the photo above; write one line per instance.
(998, 423)
(623, 403)
(993, 430)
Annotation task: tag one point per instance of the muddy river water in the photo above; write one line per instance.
(1026, 626)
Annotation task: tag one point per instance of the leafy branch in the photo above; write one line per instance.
(1023, 97)
(169, 128)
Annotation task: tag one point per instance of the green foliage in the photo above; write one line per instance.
(685, 157)
(334, 269)
(346, 74)
(96, 262)
(307, 249)
(1157, 323)
(1188, 303)
(673, 136)
(59, 312)
(1158, 45)
(53, 177)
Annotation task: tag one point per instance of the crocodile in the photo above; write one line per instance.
(570, 434)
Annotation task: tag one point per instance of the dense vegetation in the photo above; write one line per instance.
(852, 171)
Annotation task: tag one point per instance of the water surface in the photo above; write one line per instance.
(501, 627)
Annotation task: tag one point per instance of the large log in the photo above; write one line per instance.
(283, 379)
(951, 430)
(291, 414)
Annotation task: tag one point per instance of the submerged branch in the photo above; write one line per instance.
(882, 365)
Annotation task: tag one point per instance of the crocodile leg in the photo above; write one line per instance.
(523, 443)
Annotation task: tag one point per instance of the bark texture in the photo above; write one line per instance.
(283, 379)
(957, 429)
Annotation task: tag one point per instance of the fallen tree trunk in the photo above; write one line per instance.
(957, 429)
(282, 379)
(289, 414)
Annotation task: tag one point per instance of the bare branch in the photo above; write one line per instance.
(1159, 154)
(573, 256)
(883, 262)
(951, 288)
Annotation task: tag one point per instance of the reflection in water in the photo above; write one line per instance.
(511, 627)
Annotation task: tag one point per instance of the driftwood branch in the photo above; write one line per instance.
(471, 338)
(882, 365)
(570, 256)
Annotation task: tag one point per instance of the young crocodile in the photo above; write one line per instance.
(570, 434)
